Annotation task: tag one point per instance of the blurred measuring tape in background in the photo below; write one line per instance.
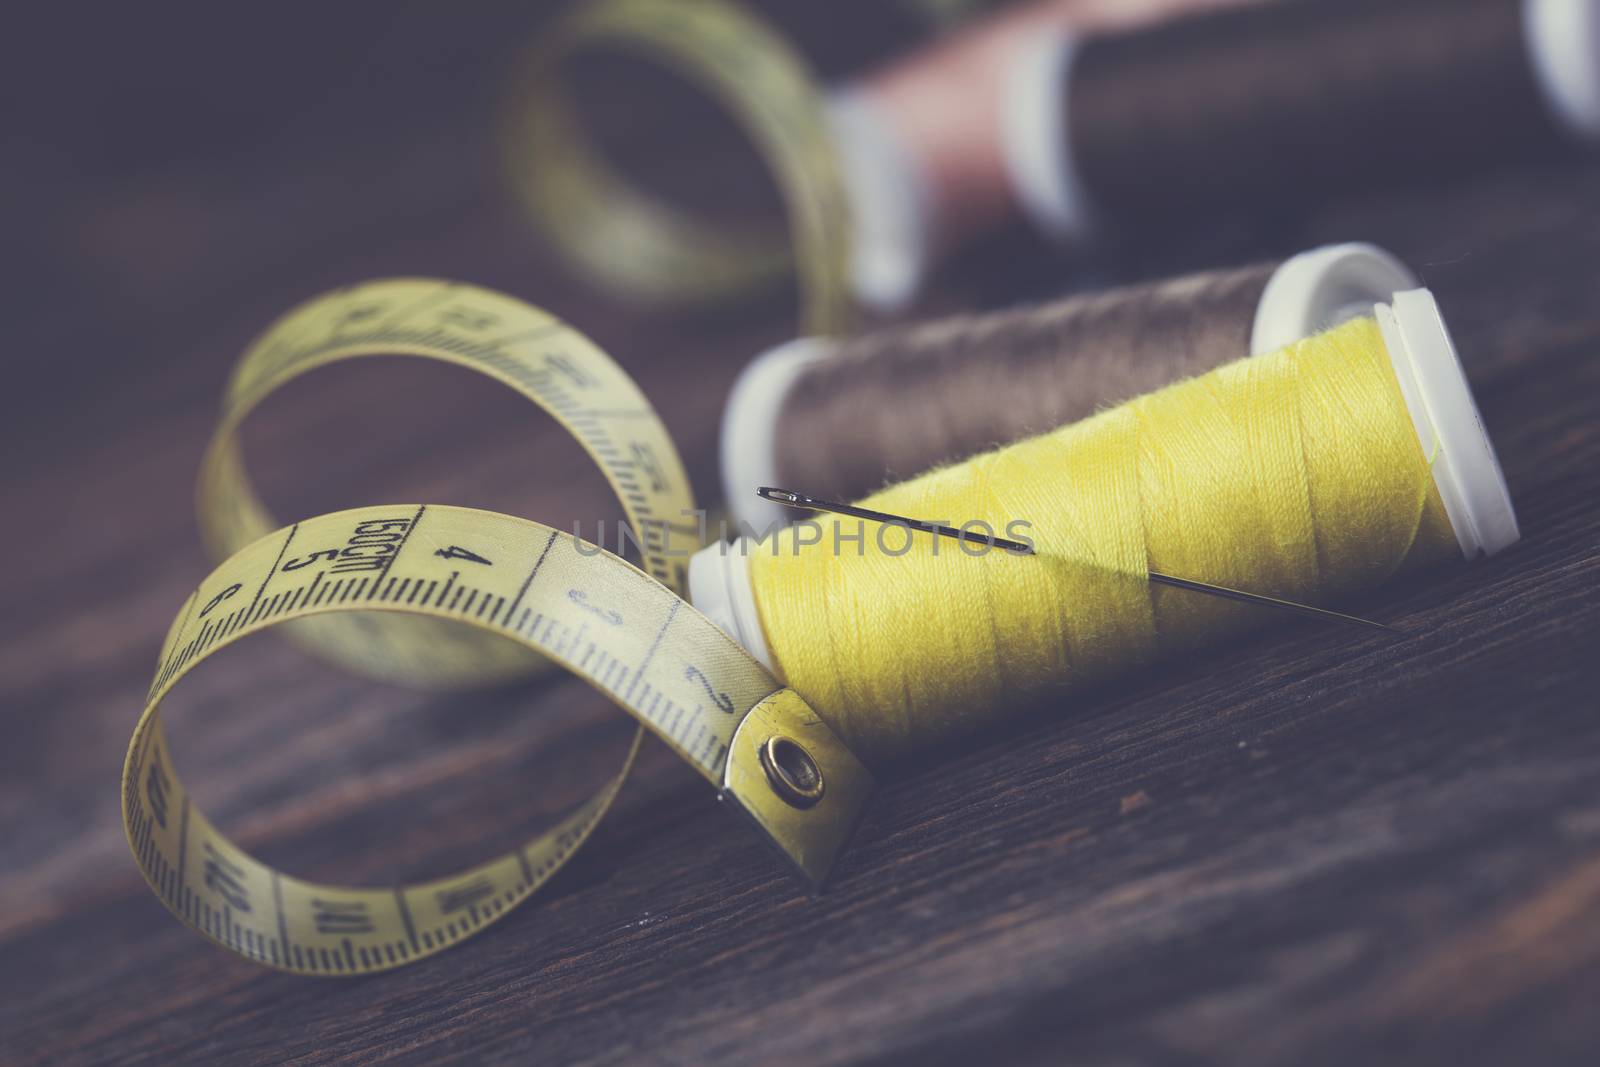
(530, 595)
(638, 245)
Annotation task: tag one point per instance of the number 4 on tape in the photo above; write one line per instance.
(457, 552)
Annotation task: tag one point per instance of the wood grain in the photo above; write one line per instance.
(1312, 846)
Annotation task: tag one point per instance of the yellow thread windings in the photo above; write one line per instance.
(1297, 474)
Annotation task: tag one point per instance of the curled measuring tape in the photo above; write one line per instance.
(634, 243)
(557, 599)
(527, 350)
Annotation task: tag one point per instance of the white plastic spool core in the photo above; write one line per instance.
(749, 436)
(890, 203)
(1449, 428)
(1036, 143)
(1563, 39)
(719, 587)
(1317, 290)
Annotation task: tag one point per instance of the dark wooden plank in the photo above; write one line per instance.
(1309, 846)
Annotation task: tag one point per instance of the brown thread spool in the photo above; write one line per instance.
(1278, 107)
(839, 419)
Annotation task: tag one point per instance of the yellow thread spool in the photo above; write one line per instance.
(1305, 473)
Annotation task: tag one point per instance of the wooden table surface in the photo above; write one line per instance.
(1310, 846)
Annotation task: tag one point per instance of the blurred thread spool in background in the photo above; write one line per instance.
(1309, 472)
(845, 231)
(839, 419)
(1258, 110)
(920, 142)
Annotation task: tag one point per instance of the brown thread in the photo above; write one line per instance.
(1281, 106)
(892, 404)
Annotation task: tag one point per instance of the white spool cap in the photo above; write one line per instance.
(890, 202)
(719, 587)
(1451, 432)
(1317, 290)
(1563, 38)
(749, 442)
(1036, 143)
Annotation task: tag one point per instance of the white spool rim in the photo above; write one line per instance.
(1465, 468)
(1321, 288)
(1036, 142)
(890, 201)
(1563, 39)
(719, 587)
(749, 445)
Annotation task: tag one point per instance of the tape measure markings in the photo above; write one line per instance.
(600, 617)
(530, 352)
(492, 609)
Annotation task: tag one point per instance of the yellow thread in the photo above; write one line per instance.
(1297, 474)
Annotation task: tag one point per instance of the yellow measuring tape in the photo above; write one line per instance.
(527, 350)
(528, 594)
(634, 243)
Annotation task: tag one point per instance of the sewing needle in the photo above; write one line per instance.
(810, 503)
